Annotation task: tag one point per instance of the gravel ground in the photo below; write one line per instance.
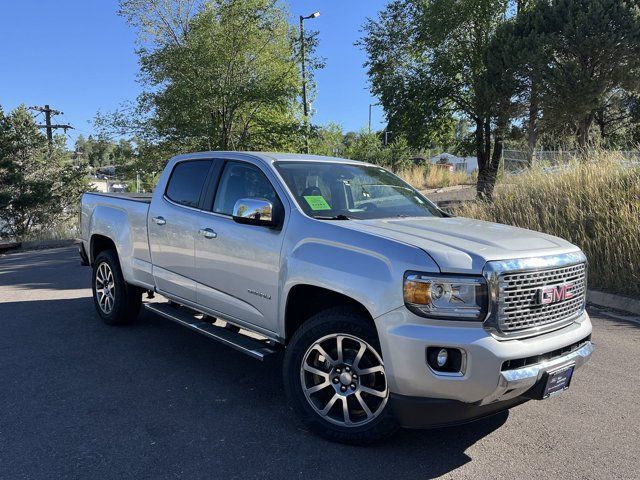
(79, 399)
(459, 193)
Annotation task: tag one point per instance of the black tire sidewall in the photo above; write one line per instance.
(127, 299)
(332, 321)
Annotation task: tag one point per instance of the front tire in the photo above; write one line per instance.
(335, 380)
(116, 302)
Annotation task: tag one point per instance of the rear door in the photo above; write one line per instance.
(238, 266)
(173, 226)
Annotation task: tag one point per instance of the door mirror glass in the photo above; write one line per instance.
(254, 211)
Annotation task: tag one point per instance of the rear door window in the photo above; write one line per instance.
(186, 182)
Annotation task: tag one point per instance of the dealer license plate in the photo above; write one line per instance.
(558, 381)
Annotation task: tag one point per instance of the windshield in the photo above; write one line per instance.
(337, 191)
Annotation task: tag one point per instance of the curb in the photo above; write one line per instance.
(36, 245)
(452, 188)
(616, 302)
(8, 246)
(43, 244)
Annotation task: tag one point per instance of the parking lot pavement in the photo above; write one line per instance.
(80, 399)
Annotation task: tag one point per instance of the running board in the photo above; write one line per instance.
(186, 317)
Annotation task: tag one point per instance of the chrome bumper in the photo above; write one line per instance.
(513, 383)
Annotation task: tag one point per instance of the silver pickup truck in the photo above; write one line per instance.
(388, 312)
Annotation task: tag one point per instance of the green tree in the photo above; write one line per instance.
(97, 151)
(39, 185)
(513, 56)
(366, 147)
(427, 61)
(400, 77)
(400, 154)
(327, 140)
(616, 120)
(594, 47)
(574, 57)
(123, 152)
(218, 74)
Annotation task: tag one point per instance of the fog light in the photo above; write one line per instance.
(442, 357)
(446, 361)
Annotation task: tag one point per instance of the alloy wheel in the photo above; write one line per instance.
(343, 379)
(105, 288)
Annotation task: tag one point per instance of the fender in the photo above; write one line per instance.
(344, 260)
(115, 223)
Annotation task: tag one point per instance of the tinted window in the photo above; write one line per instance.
(241, 180)
(186, 182)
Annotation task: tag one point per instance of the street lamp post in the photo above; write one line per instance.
(305, 106)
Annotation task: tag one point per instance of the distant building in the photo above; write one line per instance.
(455, 163)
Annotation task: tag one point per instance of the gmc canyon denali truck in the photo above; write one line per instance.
(388, 311)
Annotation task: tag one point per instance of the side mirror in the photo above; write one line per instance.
(254, 211)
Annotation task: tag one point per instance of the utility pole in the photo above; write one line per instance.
(305, 106)
(48, 113)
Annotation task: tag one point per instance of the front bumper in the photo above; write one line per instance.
(404, 338)
(523, 379)
(418, 412)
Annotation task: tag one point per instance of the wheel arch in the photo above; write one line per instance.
(305, 300)
(99, 243)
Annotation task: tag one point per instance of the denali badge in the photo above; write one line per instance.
(259, 294)
(553, 294)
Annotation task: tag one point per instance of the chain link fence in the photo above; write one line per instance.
(517, 161)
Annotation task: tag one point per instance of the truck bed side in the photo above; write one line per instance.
(122, 219)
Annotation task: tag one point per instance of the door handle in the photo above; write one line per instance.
(159, 220)
(207, 233)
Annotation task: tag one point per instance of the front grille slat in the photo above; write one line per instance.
(517, 307)
(523, 362)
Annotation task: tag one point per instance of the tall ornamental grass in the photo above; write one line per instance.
(428, 176)
(593, 204)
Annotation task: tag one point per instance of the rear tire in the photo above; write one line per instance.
(117, 302)
(334, 378)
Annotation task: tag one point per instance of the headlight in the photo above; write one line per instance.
(450, 298)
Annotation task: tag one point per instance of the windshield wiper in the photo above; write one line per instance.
(335, 217)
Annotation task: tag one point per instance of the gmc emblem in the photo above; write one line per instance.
(554, 294)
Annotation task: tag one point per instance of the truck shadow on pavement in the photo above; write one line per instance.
(155, 400)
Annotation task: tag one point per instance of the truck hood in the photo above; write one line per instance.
(463, 245)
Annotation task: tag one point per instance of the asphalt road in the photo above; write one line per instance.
(79, 399)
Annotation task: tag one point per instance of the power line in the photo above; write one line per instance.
(48, 113)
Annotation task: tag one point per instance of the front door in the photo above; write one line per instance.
(238, 266)
(173, 226)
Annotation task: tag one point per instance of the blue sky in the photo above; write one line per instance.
(78, 56)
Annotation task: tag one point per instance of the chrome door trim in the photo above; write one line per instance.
(208, 212)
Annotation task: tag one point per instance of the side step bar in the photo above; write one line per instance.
(186, 317)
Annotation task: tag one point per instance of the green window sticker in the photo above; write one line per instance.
(317, 202)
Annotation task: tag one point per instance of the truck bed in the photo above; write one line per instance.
(121, 217)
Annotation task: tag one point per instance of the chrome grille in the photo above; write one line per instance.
(518, 309)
